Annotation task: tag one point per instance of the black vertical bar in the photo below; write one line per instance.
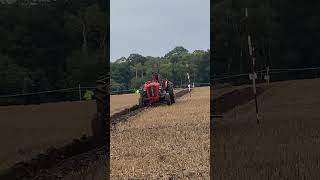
(107, 98)
(213, 134)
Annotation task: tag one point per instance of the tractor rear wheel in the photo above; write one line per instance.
(171, 92)
(168, 99)
(172, 98)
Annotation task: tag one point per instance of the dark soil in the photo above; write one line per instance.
(232, 99)
(284, 145)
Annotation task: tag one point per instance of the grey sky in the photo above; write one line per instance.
(154, 27)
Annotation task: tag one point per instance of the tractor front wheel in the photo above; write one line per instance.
(141, 102)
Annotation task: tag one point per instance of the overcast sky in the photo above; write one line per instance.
(154, 27)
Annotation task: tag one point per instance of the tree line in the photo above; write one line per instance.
(133, 71)
(47, 45)
(284, 35)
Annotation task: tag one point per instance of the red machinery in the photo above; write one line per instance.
(154, 92)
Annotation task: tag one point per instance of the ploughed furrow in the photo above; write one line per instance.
(230, 100)
(128, 112)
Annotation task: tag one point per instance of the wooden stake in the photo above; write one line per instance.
(253, 76)
(80, 93)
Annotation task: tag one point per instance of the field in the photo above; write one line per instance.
(164, 141)
(286, 143)
(29, 130)
(95, 171)
(173, 141)
(120, 102)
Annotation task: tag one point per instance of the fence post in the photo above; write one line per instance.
(80, 92)
(267, 76)
(253, 76)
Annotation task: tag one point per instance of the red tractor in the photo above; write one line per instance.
(156, 91)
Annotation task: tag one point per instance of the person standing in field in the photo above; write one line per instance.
(88, 95)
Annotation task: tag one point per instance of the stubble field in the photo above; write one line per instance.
(164, 141)
(120, 102)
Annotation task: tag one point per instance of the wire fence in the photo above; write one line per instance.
(271, 71)
(274, 74)
(59, 95)
(77, 93)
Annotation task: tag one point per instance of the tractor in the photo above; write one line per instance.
(156, 91)
(152, 92)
